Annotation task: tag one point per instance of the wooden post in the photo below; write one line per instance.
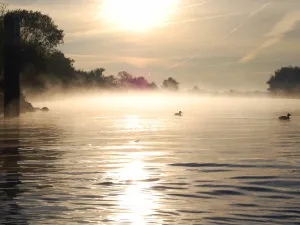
(12, 61)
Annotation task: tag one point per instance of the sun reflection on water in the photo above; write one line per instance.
(133, 122)
(136, 123)
(137, 201)
(133, 171)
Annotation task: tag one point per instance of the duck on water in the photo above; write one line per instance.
(287, 117)
(178, 114)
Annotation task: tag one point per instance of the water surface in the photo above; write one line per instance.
(226, 161)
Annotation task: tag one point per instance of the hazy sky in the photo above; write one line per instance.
(210, 43)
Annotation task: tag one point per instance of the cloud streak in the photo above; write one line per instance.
(250, 16)
(204, 18)
(197, 4)
(277, 33)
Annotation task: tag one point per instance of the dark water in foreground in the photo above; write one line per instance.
(229, 163)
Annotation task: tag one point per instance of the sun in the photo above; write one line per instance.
(137, 15)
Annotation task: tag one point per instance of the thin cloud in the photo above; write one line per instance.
(259, 9)
(252, 55)
(197, 4)
(139, 62)
(180, 63)
(79, 55)
(277, 33)
(250, 16)
(204, 18)
(90, 32)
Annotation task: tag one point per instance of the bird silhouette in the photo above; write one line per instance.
(287, 117)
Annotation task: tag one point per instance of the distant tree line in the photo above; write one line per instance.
(44, 66)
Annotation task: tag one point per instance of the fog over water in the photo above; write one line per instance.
(114, 159)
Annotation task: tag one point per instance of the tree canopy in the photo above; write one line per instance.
(38, 30)
(39, 39)
(171, 84)
(44, 66)
(285, 81)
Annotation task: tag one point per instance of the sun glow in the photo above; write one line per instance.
(137, 15)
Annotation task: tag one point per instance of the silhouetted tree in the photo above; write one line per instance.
(140, 83)
(96, 78)
(111, 81)
(127, 81)
(195, 89)
(124, 78)
(43, 66)
(60, 65)
(38, 30)
(153, 86)
(59, 70)
(171, 84)
(285, 80)
(39, 38)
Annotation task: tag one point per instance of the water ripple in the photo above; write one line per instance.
(226, 166)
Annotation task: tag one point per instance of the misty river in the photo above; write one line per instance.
(129, 160)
